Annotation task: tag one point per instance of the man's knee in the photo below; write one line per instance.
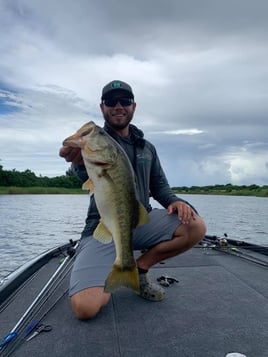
(194, 231)
(87, 303)
(198, 228)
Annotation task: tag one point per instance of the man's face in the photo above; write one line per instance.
(118, 110)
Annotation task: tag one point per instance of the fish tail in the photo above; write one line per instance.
(128, 277)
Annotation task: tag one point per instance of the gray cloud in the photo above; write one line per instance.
(199, 66)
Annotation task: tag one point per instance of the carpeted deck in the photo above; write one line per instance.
(220, 305)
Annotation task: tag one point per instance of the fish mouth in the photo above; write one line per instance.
(99, 163)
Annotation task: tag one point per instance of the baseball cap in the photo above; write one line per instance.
(116, 85)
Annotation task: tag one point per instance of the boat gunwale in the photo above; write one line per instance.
(14, 280)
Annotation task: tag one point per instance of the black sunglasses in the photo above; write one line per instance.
(113, 101)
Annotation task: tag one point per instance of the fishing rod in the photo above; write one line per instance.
(241, 244)
(230, 247)
(38, 302)
(30, 326)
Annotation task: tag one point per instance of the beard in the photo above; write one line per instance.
(118, 126)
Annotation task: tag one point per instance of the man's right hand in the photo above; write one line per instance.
(71, 154)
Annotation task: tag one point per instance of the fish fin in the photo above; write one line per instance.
(102, 234)
(143, 215)
(119, 277)
(88, 185)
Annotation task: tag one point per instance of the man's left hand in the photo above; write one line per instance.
(185, 212)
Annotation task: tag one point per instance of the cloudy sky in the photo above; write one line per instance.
(198, 69)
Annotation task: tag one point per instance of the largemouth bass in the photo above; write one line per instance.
(112, 179)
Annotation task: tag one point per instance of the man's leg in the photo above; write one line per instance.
(91, 267)
(87, 302)
(184, 238)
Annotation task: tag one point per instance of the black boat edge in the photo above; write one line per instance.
(15, 279)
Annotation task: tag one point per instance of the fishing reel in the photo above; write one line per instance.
(222, 242)
(71, 250)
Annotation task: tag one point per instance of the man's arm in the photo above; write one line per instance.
(159, 186)
(162, 192)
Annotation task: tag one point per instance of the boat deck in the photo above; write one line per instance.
(220, 305)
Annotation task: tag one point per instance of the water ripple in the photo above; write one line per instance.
(31, 224)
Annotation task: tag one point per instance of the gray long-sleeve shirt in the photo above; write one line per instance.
(151, 180)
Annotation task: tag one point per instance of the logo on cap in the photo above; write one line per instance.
(116, 85)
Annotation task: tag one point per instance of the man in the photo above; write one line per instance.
(171, 230)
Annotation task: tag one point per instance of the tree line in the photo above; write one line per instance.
(28, 178)
(228, 189)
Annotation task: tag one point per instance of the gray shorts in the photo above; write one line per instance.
(94, 260)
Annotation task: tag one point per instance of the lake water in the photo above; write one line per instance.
(31, 224)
